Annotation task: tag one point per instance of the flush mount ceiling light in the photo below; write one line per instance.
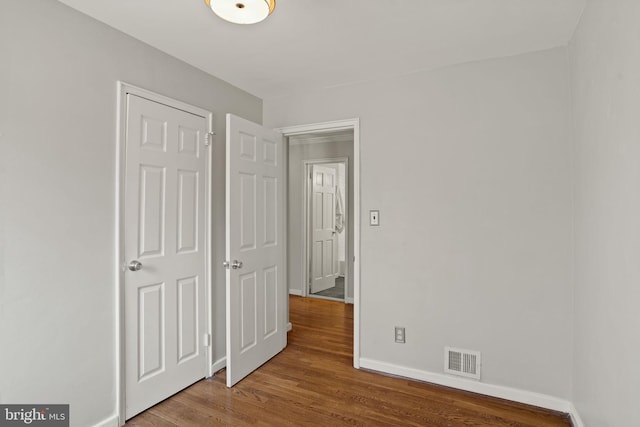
(242, 11)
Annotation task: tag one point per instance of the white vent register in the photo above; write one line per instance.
(464, 363)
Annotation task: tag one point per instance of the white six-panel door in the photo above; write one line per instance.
(324, 239)
(165, 207)
(256, 304)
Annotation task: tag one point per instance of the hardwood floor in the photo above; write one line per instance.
(312, 382)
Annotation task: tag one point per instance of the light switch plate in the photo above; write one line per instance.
(374, 218)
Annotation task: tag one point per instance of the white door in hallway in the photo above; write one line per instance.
(324, 239)
(165, 251)
(256, 293)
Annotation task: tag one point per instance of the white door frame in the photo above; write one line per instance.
(306, 194)
(120, 263)
(353, 124)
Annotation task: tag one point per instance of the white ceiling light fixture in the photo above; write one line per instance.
(242, 11)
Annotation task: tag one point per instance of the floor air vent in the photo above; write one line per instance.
(465, 363)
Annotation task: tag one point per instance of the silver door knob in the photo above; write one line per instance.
(135, 265)
(235, 264)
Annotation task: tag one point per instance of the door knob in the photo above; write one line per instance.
(235, 264)
(135, 265)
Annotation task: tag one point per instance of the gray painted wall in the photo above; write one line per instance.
(605, 62)
(470, 167)
(297, 155)
(58, 139)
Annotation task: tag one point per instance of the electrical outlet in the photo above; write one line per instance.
(400, 337)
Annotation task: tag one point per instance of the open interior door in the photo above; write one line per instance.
(256, 294)
(324, 239)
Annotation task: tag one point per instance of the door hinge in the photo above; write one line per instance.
(206, 340)
(208, 140)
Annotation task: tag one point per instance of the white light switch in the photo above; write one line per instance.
(374, 217)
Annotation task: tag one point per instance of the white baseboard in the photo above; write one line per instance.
(289, 326)
(575, 416)
(219, 364)
(295, 292)
(348, 300)
(508, 393)
(112, 421)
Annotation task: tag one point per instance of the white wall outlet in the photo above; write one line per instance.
(374, 218)
(400, 337)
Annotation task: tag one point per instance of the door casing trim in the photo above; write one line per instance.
(332, 126)
(125, 89)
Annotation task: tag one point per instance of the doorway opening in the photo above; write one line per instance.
(312, 145)
(326, 225)
(320, 225)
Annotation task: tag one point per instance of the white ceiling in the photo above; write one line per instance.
(308, 44)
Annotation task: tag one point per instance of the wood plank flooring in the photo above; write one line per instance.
(312, 383)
